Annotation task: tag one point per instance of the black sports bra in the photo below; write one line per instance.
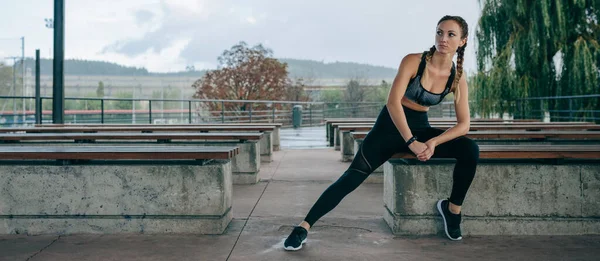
(415, 91)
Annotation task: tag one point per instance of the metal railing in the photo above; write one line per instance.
(180, 111)
(559, 108)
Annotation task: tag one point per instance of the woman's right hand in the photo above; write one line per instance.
(417, 147)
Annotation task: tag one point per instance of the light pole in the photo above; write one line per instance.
(49, 25)
(23, 76)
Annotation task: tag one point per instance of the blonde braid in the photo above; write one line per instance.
(430, 53)
(459, 70)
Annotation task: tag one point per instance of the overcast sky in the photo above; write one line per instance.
(168, 35)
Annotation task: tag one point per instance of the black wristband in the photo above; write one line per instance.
(411, 140)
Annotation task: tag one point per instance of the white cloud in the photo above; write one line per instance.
(167, 60)
(251, 20)
(171, 34)
(187, 6)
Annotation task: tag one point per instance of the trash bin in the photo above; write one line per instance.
(297, 116)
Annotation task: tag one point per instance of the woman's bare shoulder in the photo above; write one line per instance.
(411, 59)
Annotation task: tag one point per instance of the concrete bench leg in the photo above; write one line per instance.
(276, 139)
(504, 199)
(347, 147)
(115, 199)
(246, 165)
(337, 136)
(266, 147)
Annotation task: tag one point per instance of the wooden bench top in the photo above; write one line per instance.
(530, 152)
(117, 152)
(475, 127)
(479, 120)
(278, 125)
(552, 134)
(130, 136)
(138, 129)
(348, 119)
(484, 124)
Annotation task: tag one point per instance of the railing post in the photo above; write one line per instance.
(150, 111)
(190, 112)
(102, 111)
(273, 113)
(310, 114)
(39, 111)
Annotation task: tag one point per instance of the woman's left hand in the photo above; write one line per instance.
(426, 154)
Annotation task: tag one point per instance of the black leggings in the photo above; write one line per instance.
(383, 141)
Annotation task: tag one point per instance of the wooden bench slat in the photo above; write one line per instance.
(117, 152)
(155, 125)
(495, 127)
(520, 134)
(531, 152)
(130, 136)
(138, 129)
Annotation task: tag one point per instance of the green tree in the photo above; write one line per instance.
(123, 105)
(379, 93)
(533, 49)
(168, 93)
(90, 104)
(10, 79)
(100, 90)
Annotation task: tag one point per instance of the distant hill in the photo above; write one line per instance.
(297, 68)
(321, 70)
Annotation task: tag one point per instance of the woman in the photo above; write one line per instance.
(423, 80)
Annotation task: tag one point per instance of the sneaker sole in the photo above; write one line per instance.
(290, 248)
(439, 207)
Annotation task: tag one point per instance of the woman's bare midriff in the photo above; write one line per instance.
(413, 105)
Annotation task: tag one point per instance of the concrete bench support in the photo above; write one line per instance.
(245, 166)
(266, 147)
(115, 198)
(504, 199)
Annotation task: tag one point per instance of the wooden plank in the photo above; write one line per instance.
(138, 129)
(478, 120)
(483, 124)
(474, 127)
(156, 125)
(116, 152)
(530, 152)
(430, 119)
(552, 134)
(129, 136)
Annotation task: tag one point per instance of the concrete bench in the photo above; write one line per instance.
(114, 190)
(474, 127)
(330, 121)
(330, 124)
(276, 132)
(351, 140)
(518, 190)
(245, 166)
(266, 142)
